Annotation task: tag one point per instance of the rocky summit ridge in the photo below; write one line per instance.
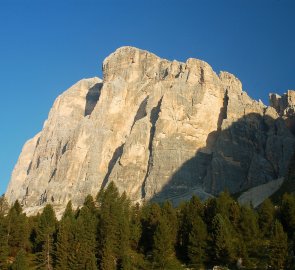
(159, 130)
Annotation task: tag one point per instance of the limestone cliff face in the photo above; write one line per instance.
(159, 130)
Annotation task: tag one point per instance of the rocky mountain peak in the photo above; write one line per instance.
(159, 130)
(285, 104)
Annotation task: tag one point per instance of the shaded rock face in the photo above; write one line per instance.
(285, 106)
(159, 130)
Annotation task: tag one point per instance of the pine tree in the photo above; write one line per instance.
(278, 248)
(151, 214)
(21, 261)
(108, 229)
(266, 213)
(189, 212)
(135, 227)
(169, 212)
(45, 238)
(234, 214)
(210, 211)
(288, 213)
(248, 225)
(197, 242)
(114, 230)
(223, 204)
(4, 248)
(85, 238)
(18, 229)
(136, 230)
(222, 245)
(65, 240)
(249, 234)
(163, 254)
(124, 259)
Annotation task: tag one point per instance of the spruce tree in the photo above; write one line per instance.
(250, 235)
(125, 252)
(135, 226)
(114, 230)
(85, 238)
(65, 240)
(197, 242)
(21, 261)
(108, 229)
(222, 244)
(248, 224)
(136, 230)
(223, 204)
(189, 213)
(278, 248)
(169, 212)
(18, 229)
(4, 248)
(151, 214)
(45, 238)
(288, 213)
(163, 254)
(234, 214)
(266, 213)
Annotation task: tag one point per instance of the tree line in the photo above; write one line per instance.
(109, 233)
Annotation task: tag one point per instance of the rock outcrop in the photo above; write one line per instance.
(159, 130)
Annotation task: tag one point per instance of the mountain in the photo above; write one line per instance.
(157, 129)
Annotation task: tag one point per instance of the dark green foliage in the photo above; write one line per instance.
(222, 244)
(189, 213)
(197, 242)
(288, 213)
(135, 227)
(65, 240)
(163, 253)
(266, 214)
(21, 261)
(114, 240)
(249, 232)
(4, 247)
(151, 215)
(169, 213)
(45, 238)
(18, 229)
(278, 248)
(110, 233)
(85, 238)
(223, 204)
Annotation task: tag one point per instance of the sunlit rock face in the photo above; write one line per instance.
(159, 130)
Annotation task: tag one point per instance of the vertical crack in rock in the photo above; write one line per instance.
(202, 77)
(141, 112)
(64, 149)
(29, 168)
(117, 154)
(92, 98)
(223, 111)
(52, 175)
(180, 71)
(37, 143)
(153, 119)
(43, 198)
(38, 163)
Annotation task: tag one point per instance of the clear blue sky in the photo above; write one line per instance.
(46, 46)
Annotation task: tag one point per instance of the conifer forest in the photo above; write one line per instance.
(110, 233)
